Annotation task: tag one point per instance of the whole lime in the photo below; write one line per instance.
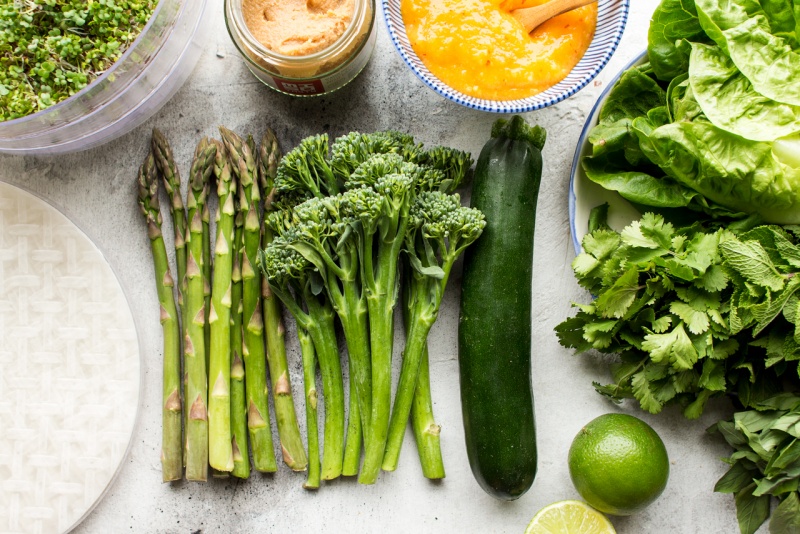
(618, 464)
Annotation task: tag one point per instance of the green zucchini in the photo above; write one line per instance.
(494, 331)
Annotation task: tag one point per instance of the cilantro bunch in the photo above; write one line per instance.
(51, 49)
(691, 313)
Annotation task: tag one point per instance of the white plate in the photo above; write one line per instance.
(585, 195)
(70, 372)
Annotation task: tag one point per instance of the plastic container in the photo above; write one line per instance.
(130, 92)
(314, 74)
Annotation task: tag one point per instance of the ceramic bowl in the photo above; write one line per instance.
(611, 18)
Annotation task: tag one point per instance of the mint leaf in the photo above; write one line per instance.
(750, 260)
(789, 252)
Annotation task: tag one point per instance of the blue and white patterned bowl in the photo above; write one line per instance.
(611, 18)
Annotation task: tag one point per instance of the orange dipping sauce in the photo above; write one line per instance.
(477, 47)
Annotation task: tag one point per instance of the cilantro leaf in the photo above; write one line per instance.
(696, 321)
(674, 347)
(616, 300)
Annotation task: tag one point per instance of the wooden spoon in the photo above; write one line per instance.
(532, 17)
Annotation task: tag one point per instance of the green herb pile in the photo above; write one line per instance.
(699, 298)
(51, 49)
(698, 312)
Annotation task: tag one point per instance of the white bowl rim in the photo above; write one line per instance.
(508, 106)
(591, 120)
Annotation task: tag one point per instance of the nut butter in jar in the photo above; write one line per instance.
(303, 47)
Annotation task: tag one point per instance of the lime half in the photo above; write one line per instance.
(569, 517)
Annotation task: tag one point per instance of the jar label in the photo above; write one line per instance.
(325, 83)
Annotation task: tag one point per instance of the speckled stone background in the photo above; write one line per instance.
(96, 189)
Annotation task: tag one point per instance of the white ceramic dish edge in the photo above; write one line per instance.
(584, 194)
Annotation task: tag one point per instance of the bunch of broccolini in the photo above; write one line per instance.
(346, 219)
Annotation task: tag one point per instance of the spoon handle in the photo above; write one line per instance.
(532, 17)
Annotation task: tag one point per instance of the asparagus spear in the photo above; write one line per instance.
(171, 448)
(244, 165)
(195, 314)
(291, 443)
(312, 427)
(241, 457)
(219, 403)
(207, 270)
(165, 162)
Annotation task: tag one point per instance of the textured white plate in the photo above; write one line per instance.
(69, 369)
(585, 195)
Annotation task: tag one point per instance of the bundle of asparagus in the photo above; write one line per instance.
(225, 416)
(327, 232)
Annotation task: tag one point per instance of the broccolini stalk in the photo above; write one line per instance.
(293, 279)
(426, 431)
(354, 435)
(381, 244)
(171, 446)
(310, 386)
(294, 455)
(195, 348)
(453, 166)
(241, 457)
(244, 165)
(439, 231)
(165, 162)
(320, 230)
(219, 372)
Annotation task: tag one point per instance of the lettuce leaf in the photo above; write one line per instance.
(767, 60)
(731, 171)
(731, 102)
(672, 21)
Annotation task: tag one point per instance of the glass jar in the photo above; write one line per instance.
(310, 75)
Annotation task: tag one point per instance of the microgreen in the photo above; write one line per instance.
(52, 49)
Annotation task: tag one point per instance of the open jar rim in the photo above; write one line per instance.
(234, 15)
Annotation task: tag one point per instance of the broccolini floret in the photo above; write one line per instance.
(439, 231)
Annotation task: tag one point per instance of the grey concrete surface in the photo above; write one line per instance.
(96, 189)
